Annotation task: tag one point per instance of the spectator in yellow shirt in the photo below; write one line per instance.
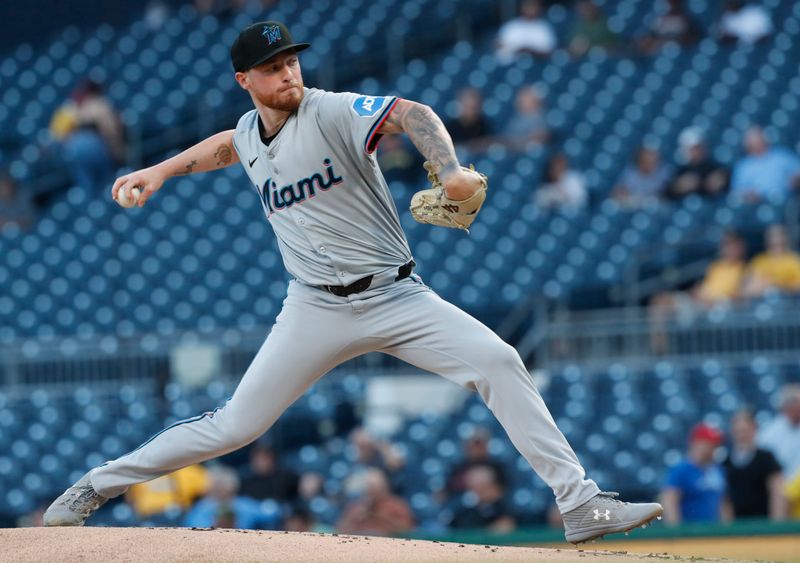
(776, 269)
(792, 491)
(722, 283)
(724, 276)
(179, 489)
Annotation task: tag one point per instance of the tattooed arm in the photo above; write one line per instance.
(212, 153)
(432, 140)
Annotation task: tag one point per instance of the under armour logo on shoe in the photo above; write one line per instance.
(598, 514)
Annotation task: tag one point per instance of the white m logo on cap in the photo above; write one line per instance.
(272, 33)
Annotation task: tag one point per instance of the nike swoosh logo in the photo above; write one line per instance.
(252, 161)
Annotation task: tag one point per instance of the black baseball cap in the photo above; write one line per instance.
(259, 42)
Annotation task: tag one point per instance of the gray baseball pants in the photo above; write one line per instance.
(316, 331)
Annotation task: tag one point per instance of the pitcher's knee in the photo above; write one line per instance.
(238, 437)
(501, 358)
(236, 431)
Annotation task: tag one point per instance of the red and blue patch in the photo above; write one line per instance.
(373, 137)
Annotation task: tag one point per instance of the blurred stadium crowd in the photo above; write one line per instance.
(755, 475)
(608, 130)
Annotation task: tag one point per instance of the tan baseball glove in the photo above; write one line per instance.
(433, 207)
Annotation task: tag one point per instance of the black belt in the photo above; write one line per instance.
(360, 285)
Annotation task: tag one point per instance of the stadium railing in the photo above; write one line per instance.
(144, 357)
(767, 328)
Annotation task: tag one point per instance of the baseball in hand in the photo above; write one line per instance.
(128, 197)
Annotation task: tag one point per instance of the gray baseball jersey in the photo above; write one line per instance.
(332, 213)
(322, 190)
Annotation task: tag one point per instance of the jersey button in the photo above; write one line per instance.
(301, 221)
(341, 274)
(322, 250)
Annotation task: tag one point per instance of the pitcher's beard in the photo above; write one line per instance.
(287, 100)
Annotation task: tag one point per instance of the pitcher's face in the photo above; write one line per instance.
(276, 83)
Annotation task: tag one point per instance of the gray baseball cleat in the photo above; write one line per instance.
(74, 506)
(604, 514)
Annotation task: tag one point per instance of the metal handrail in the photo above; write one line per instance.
(771, 330)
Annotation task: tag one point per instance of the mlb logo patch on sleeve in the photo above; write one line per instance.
(367, 106)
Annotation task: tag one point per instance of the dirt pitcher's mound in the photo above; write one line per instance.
(195, 545)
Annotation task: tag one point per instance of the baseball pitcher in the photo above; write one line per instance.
(310, 156)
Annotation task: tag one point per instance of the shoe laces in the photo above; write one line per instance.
(609, 497)
(85, 500)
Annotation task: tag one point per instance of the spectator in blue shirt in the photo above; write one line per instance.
(766, 172)
(695, 488)
(643, 180)
(223, 508)
(528, 124)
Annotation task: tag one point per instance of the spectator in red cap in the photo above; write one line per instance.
(695, 487)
